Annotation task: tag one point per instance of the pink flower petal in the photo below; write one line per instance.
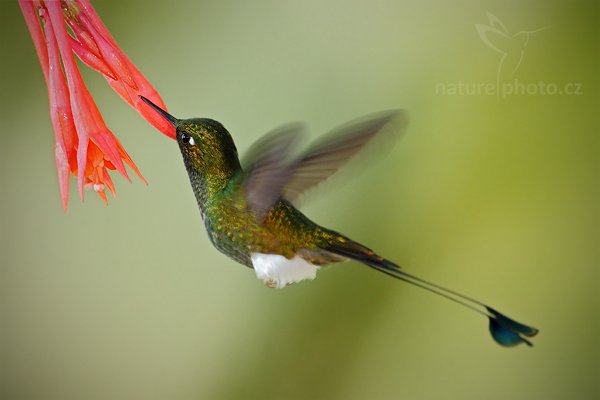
(81, 34)
(31, 18)
(91, 59)
(127, 93)
(88, 121)
(60, 114)
(113, 57)
(64, 172)
(109, 184)
(84, 145)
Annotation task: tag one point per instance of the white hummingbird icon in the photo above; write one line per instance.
(511, 46)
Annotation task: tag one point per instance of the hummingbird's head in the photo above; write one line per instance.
(206, 146)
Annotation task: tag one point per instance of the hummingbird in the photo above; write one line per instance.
(249, 214)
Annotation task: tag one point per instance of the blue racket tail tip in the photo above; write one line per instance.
(507, 332)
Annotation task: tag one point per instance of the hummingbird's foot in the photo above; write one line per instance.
(271, 284)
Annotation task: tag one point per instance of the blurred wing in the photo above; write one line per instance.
(327, 155)
(267, 167)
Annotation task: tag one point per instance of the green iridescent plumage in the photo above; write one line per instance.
(221, 187)
(248, 210)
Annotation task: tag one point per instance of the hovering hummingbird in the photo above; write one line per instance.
(249, 214)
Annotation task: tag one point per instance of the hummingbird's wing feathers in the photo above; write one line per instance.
(272, 171)
(266, 167)
(336, 148)
(320, 257)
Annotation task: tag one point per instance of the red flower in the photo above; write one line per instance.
(85, 147)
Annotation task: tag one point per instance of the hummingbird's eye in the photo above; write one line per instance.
(186, 138)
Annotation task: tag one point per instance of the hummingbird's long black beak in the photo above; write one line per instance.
(162, 112)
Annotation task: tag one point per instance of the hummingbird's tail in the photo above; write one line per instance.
(504, 330)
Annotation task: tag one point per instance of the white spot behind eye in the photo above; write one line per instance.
(192, 142)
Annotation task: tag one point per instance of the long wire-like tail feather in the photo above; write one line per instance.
(504, 330)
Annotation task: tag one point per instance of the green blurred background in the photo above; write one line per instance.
(494, 197)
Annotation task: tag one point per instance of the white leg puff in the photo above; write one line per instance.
(277, 271)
